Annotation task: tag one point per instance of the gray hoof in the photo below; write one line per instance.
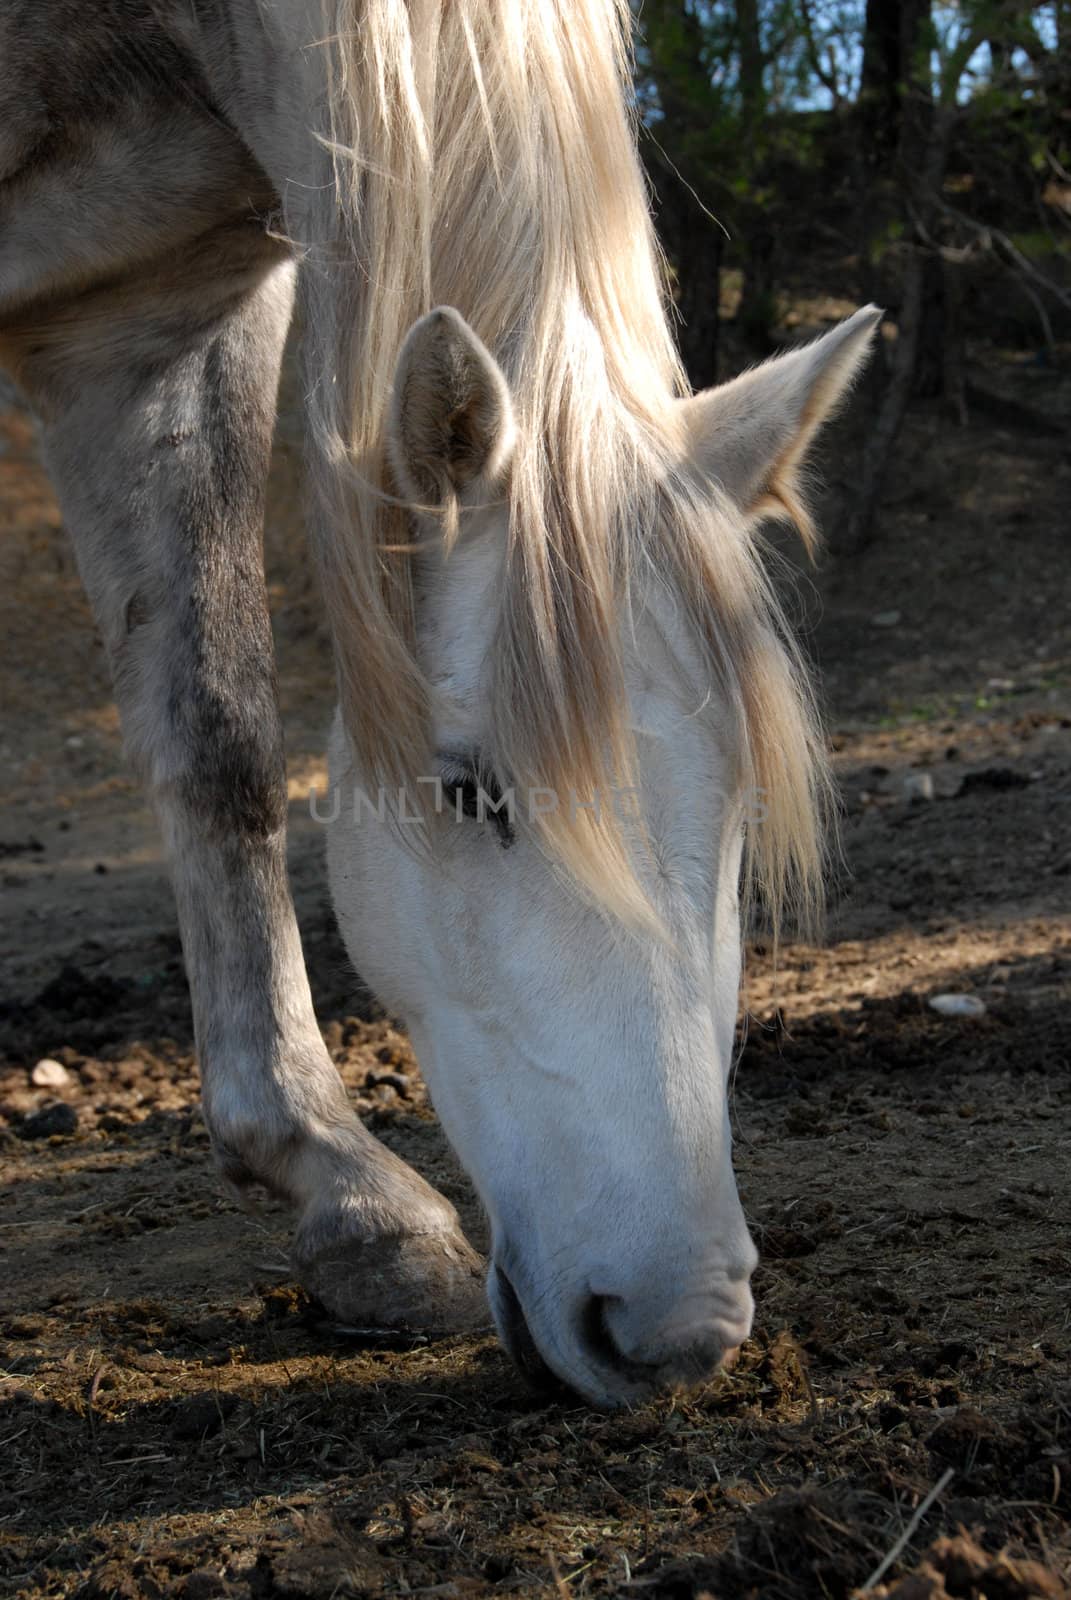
(424, 1283)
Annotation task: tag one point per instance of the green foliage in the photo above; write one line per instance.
(710, 65)
(755, 112)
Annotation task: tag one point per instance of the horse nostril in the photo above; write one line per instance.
(595, 1331)
(661, 1364)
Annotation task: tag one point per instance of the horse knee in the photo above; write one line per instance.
(201, 720)
(233, 775)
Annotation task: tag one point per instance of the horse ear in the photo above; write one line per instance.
(752, 434)
(451, 416)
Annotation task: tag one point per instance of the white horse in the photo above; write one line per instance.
(572, 739)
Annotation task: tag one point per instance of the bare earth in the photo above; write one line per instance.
(177, 1420)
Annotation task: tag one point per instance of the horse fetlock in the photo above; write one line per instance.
(235, 1171)
(378, 1245)
(250, 1150)
(375, 1243)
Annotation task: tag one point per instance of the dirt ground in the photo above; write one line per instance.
(177, 1420)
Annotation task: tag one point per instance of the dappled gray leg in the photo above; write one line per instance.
(158, 401)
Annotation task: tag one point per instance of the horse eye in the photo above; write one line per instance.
(478, 794)
(466, 792)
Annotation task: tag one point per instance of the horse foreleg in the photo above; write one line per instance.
(158, 404)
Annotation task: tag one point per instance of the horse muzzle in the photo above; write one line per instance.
(617, 1350)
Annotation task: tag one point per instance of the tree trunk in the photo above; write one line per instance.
(954, 377)
(879, 87)
(930, 354)
(758, 306)
(923, 354)
(752, 63)
(698, 278)
(886, 426)
(694, 244)
(891, 37)
(693, 241)
(925, 131)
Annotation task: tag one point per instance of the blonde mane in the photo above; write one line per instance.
(483, 157)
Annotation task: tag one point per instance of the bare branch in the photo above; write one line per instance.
(1011, 255)
(826, 79)
(952, 70)
(909, 1532)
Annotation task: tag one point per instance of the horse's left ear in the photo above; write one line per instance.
(752, 434)
(451, 416)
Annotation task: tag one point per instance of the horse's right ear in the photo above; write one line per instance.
(451, 416)
(752, 434)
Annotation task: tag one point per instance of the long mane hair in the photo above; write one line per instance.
(482, 155)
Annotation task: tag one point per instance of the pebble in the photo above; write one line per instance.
(53, 1119)
(201, 1415)
(958, 1005)
(918, 786)
(992, 778)
(49, 1074)
(204, 1584)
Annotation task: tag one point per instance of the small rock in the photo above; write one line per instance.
(993, 778)
(201, 1415)
(957, 1005)
(49, 1074)
(886, 619)
(204, 1584)
(55, 1118)
(918, 786)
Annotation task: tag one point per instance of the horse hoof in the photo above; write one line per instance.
(421, 1283)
